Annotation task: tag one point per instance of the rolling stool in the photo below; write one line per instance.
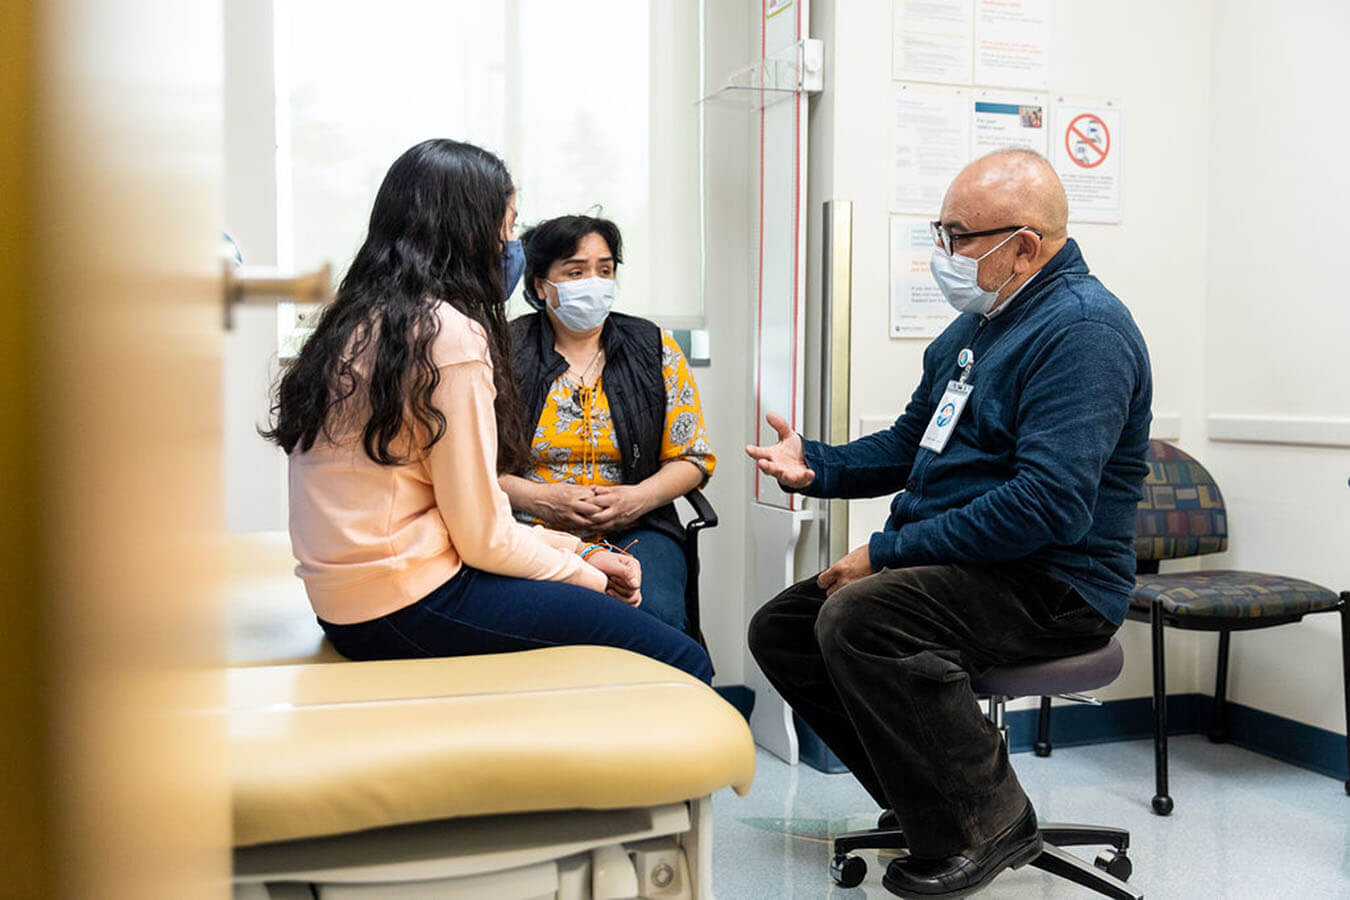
(1066, 677)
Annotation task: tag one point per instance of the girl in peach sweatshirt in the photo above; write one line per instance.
(397, 416)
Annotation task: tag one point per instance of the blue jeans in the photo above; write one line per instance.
(664, 574)
(478, 612)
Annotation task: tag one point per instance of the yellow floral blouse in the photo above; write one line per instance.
(574, 440)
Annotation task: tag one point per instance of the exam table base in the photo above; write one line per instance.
(660, 852)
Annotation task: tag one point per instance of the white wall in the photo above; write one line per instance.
(1277, 320)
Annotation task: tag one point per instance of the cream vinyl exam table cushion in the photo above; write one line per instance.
(334, 747)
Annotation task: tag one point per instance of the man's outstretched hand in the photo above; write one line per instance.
(784, 460)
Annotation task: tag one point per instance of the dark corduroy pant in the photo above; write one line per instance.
(882, 671)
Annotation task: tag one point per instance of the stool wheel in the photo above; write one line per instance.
(1115, 864)
(1162, 805)
(1042, 748)
(848, 871)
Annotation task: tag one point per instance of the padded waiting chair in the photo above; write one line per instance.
(1071, 675)
(1182, 514)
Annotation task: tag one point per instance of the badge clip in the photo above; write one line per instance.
(966, 360)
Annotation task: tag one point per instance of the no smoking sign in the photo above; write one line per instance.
(1087, 140)
(1088, 158)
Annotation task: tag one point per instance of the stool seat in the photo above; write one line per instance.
(1066, 675)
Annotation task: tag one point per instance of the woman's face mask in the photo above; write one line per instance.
(513, 266)
(584, 303)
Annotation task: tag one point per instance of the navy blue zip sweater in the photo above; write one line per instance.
(1046, 463)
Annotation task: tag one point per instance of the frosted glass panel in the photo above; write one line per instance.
(362, 82)
(591, 103)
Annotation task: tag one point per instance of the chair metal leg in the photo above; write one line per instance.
(870, 839)
(1043, 747)
(1067, 866)
(1162, 803)
(1345, 684)
(1063, 834)
(997, 714)
(1218, 711)
(849, 871)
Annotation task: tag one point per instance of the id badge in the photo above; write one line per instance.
(948, 413)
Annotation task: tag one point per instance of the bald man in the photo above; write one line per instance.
(1018, 460)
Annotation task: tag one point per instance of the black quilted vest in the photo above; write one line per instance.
(634, 383)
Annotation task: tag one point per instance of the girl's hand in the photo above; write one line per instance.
(623, 572)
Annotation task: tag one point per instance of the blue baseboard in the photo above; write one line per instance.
(1306, 746)
(1293, 742)
(1114, 720)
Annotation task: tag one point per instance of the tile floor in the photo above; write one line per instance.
(1245, 826)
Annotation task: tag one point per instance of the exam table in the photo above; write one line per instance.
(576, 773)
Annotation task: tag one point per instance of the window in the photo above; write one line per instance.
(591, 103)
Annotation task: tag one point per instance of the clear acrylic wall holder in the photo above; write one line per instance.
(798, 68)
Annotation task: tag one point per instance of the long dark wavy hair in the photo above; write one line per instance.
(434, 237)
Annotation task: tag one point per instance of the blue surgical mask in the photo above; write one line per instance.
(584, 303)
(958, 277)
(513, 266)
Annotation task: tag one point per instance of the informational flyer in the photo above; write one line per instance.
(1086, 151)
(1003, 120)
(1012, 43)
(933, 40)
(938, 130)
(918, 308)
(931, 144)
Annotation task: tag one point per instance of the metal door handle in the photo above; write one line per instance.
(264, 284)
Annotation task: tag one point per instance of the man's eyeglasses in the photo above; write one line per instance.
(947, 240)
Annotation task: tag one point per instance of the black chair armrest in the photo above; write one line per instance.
(704, 515)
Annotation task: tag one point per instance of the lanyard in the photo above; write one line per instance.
(966, 358)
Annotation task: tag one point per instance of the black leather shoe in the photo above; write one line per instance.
(970, 870)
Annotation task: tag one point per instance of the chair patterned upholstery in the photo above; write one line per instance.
(1182, 513)
(1232, 595)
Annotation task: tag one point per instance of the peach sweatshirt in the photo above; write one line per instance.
(372, 539)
